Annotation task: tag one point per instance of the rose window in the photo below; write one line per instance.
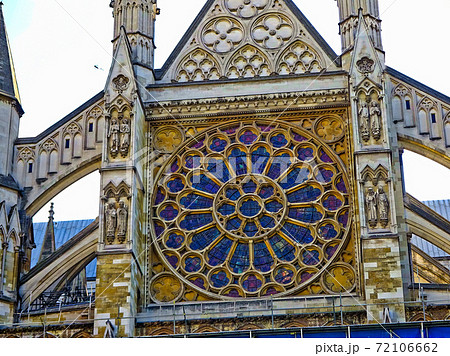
(251, 210)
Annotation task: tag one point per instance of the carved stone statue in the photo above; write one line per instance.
(371, 203)
(122, 217)
(110, 222)
(364, 121)
(113, 135)
(124, 137)
(375, 115)
(383, 207)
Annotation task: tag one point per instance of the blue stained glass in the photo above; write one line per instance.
(248, 137)
(332, 203)
(250, 208)
(340, 185)
(173, 260)
(199, 144)
(196, 201)
(266, 192)
(328, 232)
(250, 229)
(233, 194)
(192, 264)
(295, 177)
(226, 209)
(308, 215)
(233, 293)
(267, 222)
(220, 279)
(279, 165)
(330, 251)
(252, 283)
(324, 157)
(174, 241)
(265, 128)
(305, 154)
(169, 213)
(299, 138)
(234, 224)
(230, 130)
(199, 282)
(194, 221)
(238, 160)
(273, 206)
(218, 145)
(175, 185)
(249, 187)
(279, 140)
(174, 167)
(204, 183)
(304, 195)
(260, 157)
(160, 196)
(270, 291)
(284, 275)
(218, 169)
(324, 175)
(203, 239)
(240, 261)
(343, 219)
(310, 257)
(219, 253)
(305, 276)
(283, 249)
(299, 234)
(159, 229)
(193, 161)
(263, 260)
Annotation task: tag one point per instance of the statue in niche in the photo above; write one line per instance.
(111, 222)
(122, 217)
(375, 114)
(364, 119)
(383, 206)
(124, 137)
(371, 203)
(113, 135)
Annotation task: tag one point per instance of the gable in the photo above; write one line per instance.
(242, 39)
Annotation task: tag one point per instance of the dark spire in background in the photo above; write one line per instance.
(48, 245)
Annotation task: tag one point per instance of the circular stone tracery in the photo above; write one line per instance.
(251, 209)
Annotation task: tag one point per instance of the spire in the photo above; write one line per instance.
(8, 83)
(48, 245)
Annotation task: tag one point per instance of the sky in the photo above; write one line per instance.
(57, 43)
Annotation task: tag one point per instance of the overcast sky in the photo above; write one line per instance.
(57, 43)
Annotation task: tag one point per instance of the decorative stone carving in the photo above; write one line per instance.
(110, 222)
(272, 31)
(121, 83)
(124, 137)
(330, 129)
(401, 90)
(299, 58)
(248, 62)
(365, 65)
(364, 121)
(168, 139)
(113, 136)
(341, 278)
(199, 65)
(49, 145)
(375, 115)
(246, 8)
(122, 221)
(427, 104)
(383, 207)
(165, 288)
(371, 205)
(26, 154)
(222, 35)
(72, 129)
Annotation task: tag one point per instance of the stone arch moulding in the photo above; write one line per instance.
(248, 62)
(197, 65)
(299, 58)
(424, 149)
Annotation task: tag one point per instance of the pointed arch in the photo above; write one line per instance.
(299, 58)
(248, 62)
(198, 65)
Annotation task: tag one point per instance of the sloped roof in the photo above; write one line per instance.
(64, 231)
(442, 207)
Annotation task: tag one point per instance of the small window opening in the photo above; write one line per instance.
(67, 143)
(408, 105)
(30, 167)
(433, 118)
(91, 127)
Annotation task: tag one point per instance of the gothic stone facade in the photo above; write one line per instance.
(256, 168)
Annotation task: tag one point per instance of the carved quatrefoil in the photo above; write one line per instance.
(222, 35)
(246, 8)
(272, 31)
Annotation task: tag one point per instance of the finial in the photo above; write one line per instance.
(51, 212)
